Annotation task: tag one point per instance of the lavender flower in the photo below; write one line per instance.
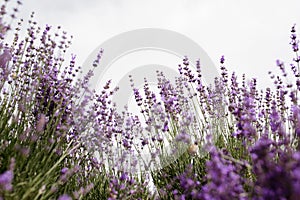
(224, 180)
(64, 197)
(190, 185)
(275, 169)
(41, 123)
(222, 60)
(294, 42)
(295, 119)
(6, 179)
(5, 57)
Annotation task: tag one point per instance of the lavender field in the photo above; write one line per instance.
(59, 139)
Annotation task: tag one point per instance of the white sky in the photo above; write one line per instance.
(251, 34)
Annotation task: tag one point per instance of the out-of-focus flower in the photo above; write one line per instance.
(64, 170)
(5, 57)
(41, 123)
(224, 180)
(6, 180)
(183, 137)
(64, 197)
(276, 170)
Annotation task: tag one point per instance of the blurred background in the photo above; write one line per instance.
(251, 34)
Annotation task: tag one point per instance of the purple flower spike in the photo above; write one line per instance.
(222, 60)
(294, 42)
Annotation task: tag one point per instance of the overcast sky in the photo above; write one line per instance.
(251, 34)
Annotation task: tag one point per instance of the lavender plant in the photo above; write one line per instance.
(51, 122)
(60, 140)
(41, 154)
(253, 140)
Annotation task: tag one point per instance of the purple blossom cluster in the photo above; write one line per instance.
(224, 179)
(276, 171)
(127, 186)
